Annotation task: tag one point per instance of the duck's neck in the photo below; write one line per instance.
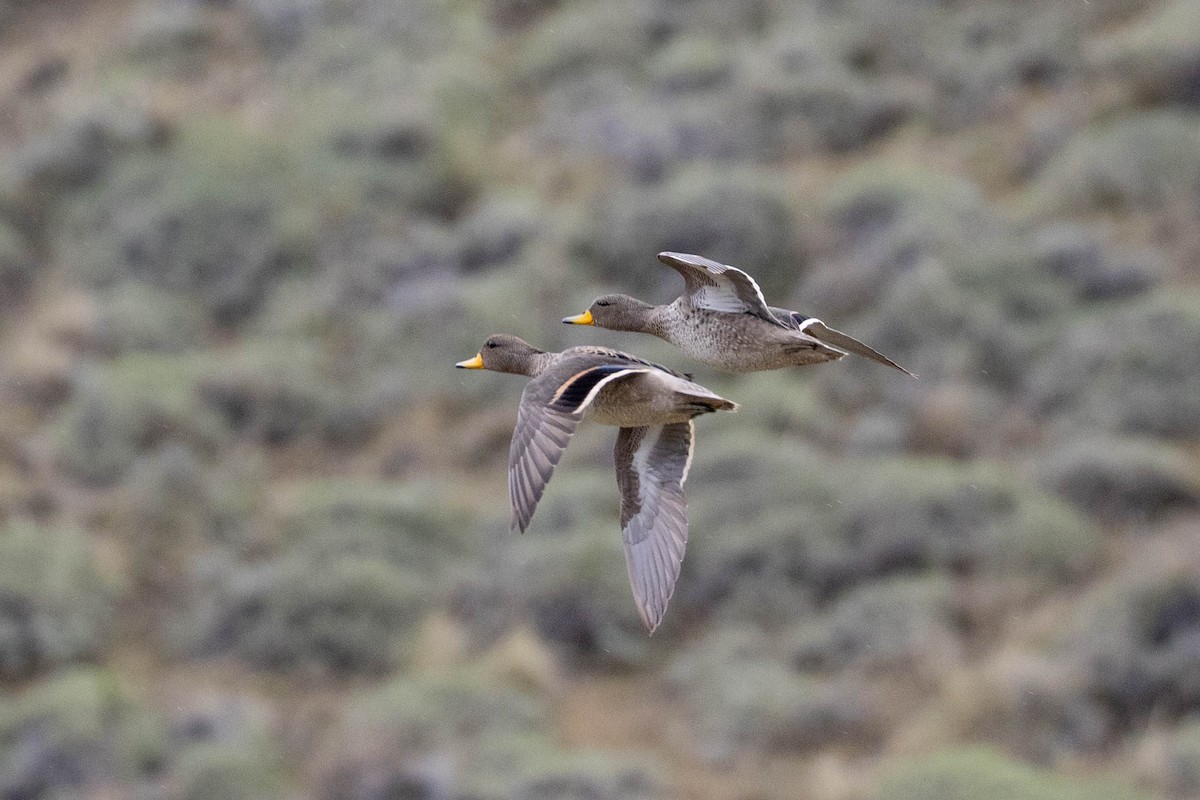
(660, 320)
(537, 363)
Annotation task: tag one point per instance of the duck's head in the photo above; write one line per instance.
(616, 312)
(504, 352)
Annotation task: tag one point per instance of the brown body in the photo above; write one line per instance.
(722, 320)
(652, 405)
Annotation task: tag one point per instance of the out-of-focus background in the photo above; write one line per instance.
(254, 538)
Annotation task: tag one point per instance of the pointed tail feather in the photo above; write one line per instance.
(819, 330)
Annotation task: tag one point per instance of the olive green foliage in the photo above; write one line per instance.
(237, 770)
(884, 626)
(981, 774)
(296, 613)
(125, 407)
(217, 218)
(57, 603)
(1156, 55)
(1144, 161)
(83, 728)
(1132, 371)
(464, 733)
(741, 696)
(1137, 648)
(732, 218)
(1183, 759)
(566, 573)
(242, 243)
(1126, 479)
(16, 264)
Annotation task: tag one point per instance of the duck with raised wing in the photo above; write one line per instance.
(723, 320)
(652, 405)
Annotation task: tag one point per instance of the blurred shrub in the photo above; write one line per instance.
(1137, 648)
(217, 219)
(344, 615)
(566, 573)
(17, 266)
(536, 768)
(981, 774)
(1158, 55)
(564, 47)
(906, 515)
(80, 730)
(124, 408)
(1123, 479)
(73, 153)
(1182, 767)
(170, 34)
(890, 625)
(415, 526)
(399, 160)
(692, 63)
(754, 527)
(884, 220)
(1082, 258)
(647, 134)
(55, 604)
(1133, 370)
(742, 697)
(417, 715)
(463, 734)
(239, 770)
(772, 545)
(321, 377)
(737, 219)
(1139, 162)
(137, 316)
(803, 90)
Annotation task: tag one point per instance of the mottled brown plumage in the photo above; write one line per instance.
(652, 405)
(723, 320)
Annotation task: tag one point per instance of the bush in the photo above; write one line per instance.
(80, 730)
(566, 573)
(883, 221)
(424, 735)
(1080, 257)
(55, 604)
(1137, 651)
(565, 47)
(536, 768)
(1158, 55)
(981, 774)
(343, 616)
(217, 219)
(273, 391)
(1144, 380)
(758, 511)
(136, 316)
(1123, 479)
(736, 219)
(1183, 760)
(1140, 162)
(242, 770)
(415, 526)
(17, 266)
(741, 697)
(124, 408)
(891, 625)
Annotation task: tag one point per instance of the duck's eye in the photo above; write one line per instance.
(489, 344)
(604, 302)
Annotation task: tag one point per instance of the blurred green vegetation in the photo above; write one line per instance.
(255, 530)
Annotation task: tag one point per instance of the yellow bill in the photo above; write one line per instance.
(471, 363)
(581, 319)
